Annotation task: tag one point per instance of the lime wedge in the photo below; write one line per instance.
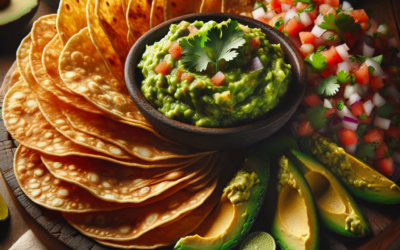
(3, 209)
(258, 241)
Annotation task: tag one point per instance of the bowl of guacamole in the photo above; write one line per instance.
(215, 80)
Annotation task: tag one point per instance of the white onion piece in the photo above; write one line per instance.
(349, 90)
(368, 107)
(324, 6)
(257, 13)
(351, 149)
(392, 42)
(269, 15)
(350, 123)
(367, 50)
(327, 104)
(345, 66)
(369, 33)
(307, 48)
(378, 100)
(256, 64)
(354, 99)
(378, 69)
(305, 19)
(346, 5)
(342, 51)
(285, 7)
(393, 92)
(318, 31)
(289, 15)
(396, 157)
(319, 20)
(345, 112)
(382, 122)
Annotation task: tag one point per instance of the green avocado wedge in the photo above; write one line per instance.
(277, 145)
(337, 209)
(234, 215)
(360, 180)
(295, 223)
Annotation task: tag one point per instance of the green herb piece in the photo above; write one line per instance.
(278, 23)
(371, 70)
(394, 50)
(316, 63)
(339, 105)
(321, 48)
(351, 59)
(343, 77)
(285, 32)
(304, 1)
(385, 110)
(396, 120)
(353, 79)
(362, 129)
(365, 151)
(376, 35)
(349, 9)
(194, 54)
(386, 154)
(316, 116)
(328, 86)
(362, 59)
(309, 8)
(342, 23)
(260, 4)
(392, 145)
(330, 38)
(363, 116)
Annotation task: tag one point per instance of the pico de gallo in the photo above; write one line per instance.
(353, 77)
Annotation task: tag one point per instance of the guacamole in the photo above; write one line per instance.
(252, 83)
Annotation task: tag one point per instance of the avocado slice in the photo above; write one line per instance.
(360, 180)
(234, 215)
(15, 15)
(337, 209)
(277, 145)
(295, 224)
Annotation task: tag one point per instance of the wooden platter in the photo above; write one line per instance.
(52, 229)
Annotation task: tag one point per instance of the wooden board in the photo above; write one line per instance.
(55, 233)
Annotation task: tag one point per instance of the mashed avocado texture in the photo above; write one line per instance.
(240, 186)
(248, 90)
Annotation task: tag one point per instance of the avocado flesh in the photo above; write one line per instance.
(16, 9)
(233, 216)
(337, 209)
(295, 224)
(360, 180)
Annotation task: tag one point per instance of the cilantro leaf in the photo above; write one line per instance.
(362, 130)
(343, 77)
(396, 120)
(342, 23)
(392, 145)
(316, 116)
(365, 151)
(321, 48)
(222, 42)
(371, 70)
(329, 86)
(260, 4)
(386, 110)
(316, 63)
(194, 54)
(309, 8)
(362, 59)
(278, 23)
(352, 59)
(304, 1)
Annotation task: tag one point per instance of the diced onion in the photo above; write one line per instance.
(393, 92)
(327, 104)
(350, 123)
(269, 15)
(294, 9)
(383, 28)
(324, 6)
(289, 15)
(369, 33)
(367, 50)
(319, 20)
(345, 66)
(305, 19)
(342, 51)
(346, 5)
(378, 69)
(256, 64)
(318, 31)
(382, 122)
(307, 48)
(258, 13)
(345, 112)
(351, 149)
(368, 107)
(396, 157)
(285, 7)
(354, 99)
(378, 100)
(349, 90)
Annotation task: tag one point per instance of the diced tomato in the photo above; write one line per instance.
(162, 68)
(275, 4)
(255, 42)
(346, 136)
(381, 151)
(218, 79)
(364, 26)
(375, 83)
(175, 50)
(187, 77)
(304, 128)
(301, 6)
(334, 3)
(358, 15)
(358, 109)
(179, 75)
(362, 74)
(288, 2)
(385, 166)
(292, 27)
(329, 112)
(374, 136)
(313, 14)
(326, 73)
(352, 39)
(393, 132)
(328, 10)
(332, 57)
(368, 120)
(312, 100)
(306, 37)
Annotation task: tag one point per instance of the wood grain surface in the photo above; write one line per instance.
(55, 233)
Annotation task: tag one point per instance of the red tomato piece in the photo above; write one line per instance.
(381, 151)
(352, 39)
(358, 109)
(328, 10)
(362, 74)
(301, 6)
(375, 83)
(332, 57)
(187, 77)
(275, 4)
(386, 166)
(288, 2)
(313, 14)
(306, 37)
(179, 74)
(312, 100)
(329, 112)
(364, 26)
(393, 132)
(358, 15)
(292, 27)
(326, 73)
(175, 50)
(218, 79)
(368, 121)
(346, 136)
(255, 42)
(162, 68)
(373, 136)
(334, 3)
(304, 128)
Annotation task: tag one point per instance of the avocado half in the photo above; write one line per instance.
(337, 209)
(234, 215)
(295, 224)
(15, 15)
(360, 179)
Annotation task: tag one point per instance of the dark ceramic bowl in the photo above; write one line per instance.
(218, 138)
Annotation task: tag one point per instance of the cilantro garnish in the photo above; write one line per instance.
(316, 63)
(340, 105)
(351, 59)
(376, 35)
(343, 77)
(365, 151)
(330, 38)
(285, 32)
(392, 145)
(328, 86)
(385, 110)
(321, 48)
(278, 23)
(371, 70)
(353, 79)
(362, 130)
(363, 116)
(309, 8)
(396, 120)
(362, 59)
(316, 116)
(304, 1)
(220, 43)
(260, 4)
(342, 23)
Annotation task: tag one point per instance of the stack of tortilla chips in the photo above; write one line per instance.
(85, 149)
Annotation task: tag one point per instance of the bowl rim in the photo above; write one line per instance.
(260, 122)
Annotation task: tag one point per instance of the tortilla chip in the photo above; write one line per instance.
(130, 223)
(138, 17)
(12, 77)
(176, 8)
(23, 55)
(211, 6)
(157, 13)
(84, 72)
(71, 18)
(103, 44)
(238, 7)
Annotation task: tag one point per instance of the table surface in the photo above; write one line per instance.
(386, 11)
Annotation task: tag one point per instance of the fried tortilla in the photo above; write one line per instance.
(138, 17)
(238, 7)
(211, 6)
(157, 13)
(71, 18)
(176, 8)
